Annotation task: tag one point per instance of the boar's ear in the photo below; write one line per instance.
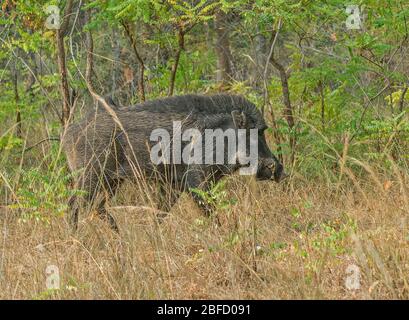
(239, 119)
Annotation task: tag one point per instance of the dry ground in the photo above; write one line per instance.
(297, 240)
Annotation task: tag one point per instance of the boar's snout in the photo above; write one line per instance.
(271, 169)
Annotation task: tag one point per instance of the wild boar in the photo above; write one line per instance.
(149, 141)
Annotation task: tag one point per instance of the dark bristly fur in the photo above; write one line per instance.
(107, 155)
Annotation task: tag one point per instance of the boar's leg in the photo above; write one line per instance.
(93, 197)
(167, 197)
(109, 188)
(203, 205)
(77, 202)
(106, 216)
(196, 182)
(74, 206)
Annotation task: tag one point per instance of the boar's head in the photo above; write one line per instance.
(269, 167)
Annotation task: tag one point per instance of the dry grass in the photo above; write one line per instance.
(289, 241)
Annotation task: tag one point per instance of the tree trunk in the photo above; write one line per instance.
(259, 47)
(288, 109)
(116, 47)
(267, 103)
(64, 86)
(181, 47)
(402, 99)
(141, 80)
(89, 42)
(224, 72)
(19, 129)
(321, 89)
